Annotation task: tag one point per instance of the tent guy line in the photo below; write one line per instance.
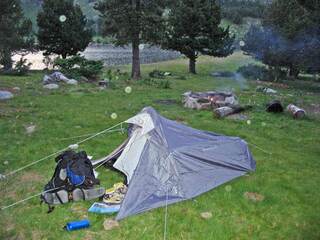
(90, 134)
(64, 149)
(28, 198)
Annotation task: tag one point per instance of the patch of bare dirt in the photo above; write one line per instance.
(110, 224)
(254, 197)
(37, 235)
(31, 177)
(9, 225)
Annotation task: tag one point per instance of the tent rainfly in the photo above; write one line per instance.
(167, 162)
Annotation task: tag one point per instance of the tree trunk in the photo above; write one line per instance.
(192, 65)
(293, 72)
(135, 73)
(6, 61)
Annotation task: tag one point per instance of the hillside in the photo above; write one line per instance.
(233, 11)
(32, 7)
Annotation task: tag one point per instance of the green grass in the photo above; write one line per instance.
(288, 178)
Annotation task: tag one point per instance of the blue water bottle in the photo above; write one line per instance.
(71, 226)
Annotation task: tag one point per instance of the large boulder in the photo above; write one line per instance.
(46, 80)
(59, 77)
(4, 95)
(55, 78)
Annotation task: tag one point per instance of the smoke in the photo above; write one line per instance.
(231, 80)
(242, 82)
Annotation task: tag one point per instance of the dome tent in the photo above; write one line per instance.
(166, 162)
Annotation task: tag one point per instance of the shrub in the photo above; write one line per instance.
(116, 75)
(77, 66)
(21, 68)
(257, 72)
(159, 74)
(164, 84)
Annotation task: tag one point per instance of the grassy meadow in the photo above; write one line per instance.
(286, 151)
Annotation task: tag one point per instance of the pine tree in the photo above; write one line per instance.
(193, 29)
(62, 28)
(132, 22)
(15, 32)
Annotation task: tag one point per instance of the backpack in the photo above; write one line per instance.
(73, 180)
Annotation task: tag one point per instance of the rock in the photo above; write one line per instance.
(5, 95)
(72, 82)
(58, 77)
(55, 78)
(206, 215)
(17, 89)
(2, 177)
(266, 90)
(270, 91)
(255, 197)
(30, 129)
(110, 224)
(223, 111)
(51, 86)
(5, 162)
(46, 80)
(73, 146)
(238, 117)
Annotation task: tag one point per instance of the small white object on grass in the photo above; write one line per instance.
(249, 122)
(2, 177)
(30, 129)
(74, 146)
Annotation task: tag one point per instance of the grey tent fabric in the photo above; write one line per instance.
(178, 163)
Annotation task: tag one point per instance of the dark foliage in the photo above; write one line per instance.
(158, 83)
(15, 32)
(77, 66)
(257, 72)
(193, 29)
(236, 10)
(62, 28)
(289, 38)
